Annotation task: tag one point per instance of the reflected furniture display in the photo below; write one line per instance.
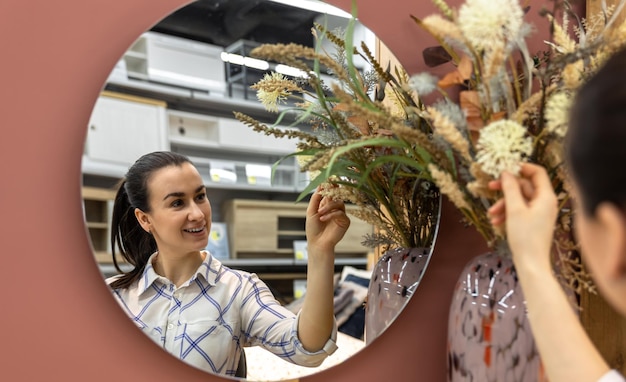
(149, 103)
(180, 62)
(258, 228)
(97, 208)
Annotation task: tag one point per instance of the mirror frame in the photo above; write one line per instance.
(65, 323)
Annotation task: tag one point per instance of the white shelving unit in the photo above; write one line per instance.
(136, 60)
(176, 61)
(219, 145)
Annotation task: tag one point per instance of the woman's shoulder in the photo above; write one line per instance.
(221, 269)
(612, 376)
(110, 280)
(226, 271)
(229, 275)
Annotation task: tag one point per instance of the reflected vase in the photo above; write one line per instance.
(489, 336)
(394, 279)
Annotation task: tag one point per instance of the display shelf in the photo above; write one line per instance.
(185, 142)
(193, 129)
(167, 59)
(97, 225)
(290, 233)
(261, 228)
(195, 101)
(97, 208)
(259, 263)
(229, 154)
(136, 60)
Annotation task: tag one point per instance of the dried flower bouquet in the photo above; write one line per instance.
(513, 105)
(379, 147)
(347, 145)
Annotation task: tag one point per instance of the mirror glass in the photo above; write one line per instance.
(176, 89)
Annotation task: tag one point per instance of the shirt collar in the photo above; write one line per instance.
(208, 270)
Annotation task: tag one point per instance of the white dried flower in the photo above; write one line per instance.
(274, 88)
(489, 23)
(423, 83)
(502, 146)
(557, 113)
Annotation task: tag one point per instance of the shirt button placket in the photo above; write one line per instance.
(172, 318)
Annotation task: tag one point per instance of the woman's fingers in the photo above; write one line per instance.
(527, 188)
(332, 209)
(540, 181)
(497, 212)
(314, 203)
(512, 190)
(529, 175)
(536, 176)
(518, 191)
(338, 216)
(328, 204)
(495, 185)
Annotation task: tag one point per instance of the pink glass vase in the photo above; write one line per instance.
(489, 336)
(394, 279)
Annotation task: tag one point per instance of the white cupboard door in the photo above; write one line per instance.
(120, 131)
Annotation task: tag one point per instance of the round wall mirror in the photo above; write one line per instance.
(175, 89)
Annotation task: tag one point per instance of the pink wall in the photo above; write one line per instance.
(58, 320)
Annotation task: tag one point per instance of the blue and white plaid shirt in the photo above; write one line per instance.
(206, 321)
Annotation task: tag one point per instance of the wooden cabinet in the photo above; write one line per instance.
(262, 229)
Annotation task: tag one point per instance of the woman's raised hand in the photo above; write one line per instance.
(529, 209)
(326, 222)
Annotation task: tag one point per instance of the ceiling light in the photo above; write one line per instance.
(256, 63)
(315, 6)
(181, 78)
(250, 62)
(290, 71)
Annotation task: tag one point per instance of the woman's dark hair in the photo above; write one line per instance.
(596, 139)
(136, 245)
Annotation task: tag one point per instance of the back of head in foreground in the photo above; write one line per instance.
(596, 139)
(596, 154)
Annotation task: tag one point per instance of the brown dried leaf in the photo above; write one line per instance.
(458, 76)
(360, 123)
(470, 103)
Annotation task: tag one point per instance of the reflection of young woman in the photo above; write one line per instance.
(188, 302)
(595, 154)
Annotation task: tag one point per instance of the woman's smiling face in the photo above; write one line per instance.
(180, 212)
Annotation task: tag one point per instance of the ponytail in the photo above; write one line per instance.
(135, 245)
